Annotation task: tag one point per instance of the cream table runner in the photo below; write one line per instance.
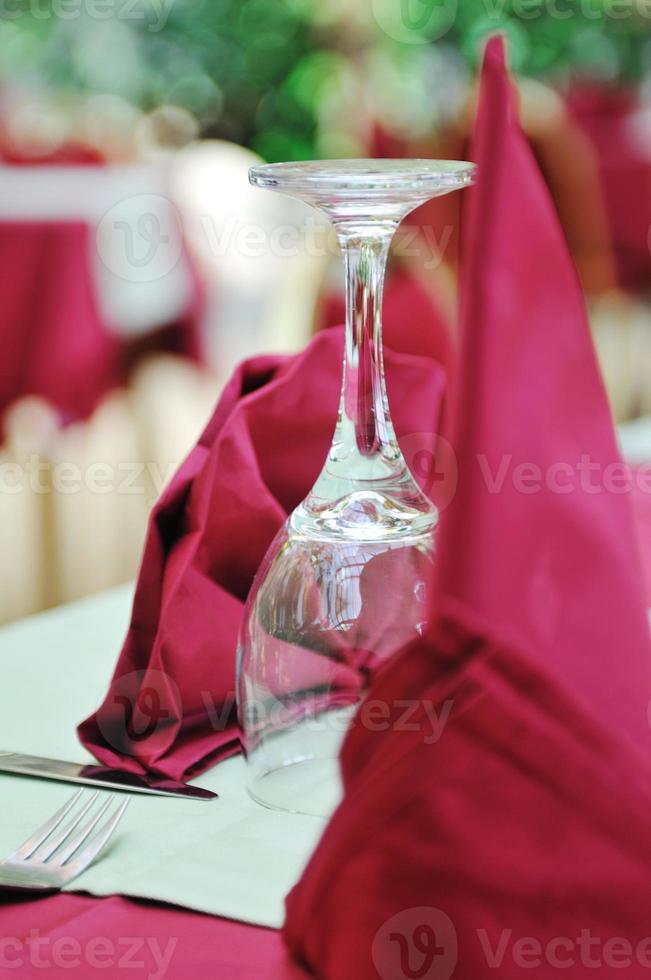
(230, 857)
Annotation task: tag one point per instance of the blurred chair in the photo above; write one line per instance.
(170, 401)
(25, 527)
(617, 128)
(75, 499)
(94, 274)
(621, 327)
(262, 255)
(97, 504)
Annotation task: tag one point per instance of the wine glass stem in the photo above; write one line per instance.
(364, 424)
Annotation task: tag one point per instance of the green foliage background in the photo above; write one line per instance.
(257, 71)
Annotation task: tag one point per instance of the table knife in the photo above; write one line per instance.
(96, 775)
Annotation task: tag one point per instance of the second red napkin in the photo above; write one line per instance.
(496, 819)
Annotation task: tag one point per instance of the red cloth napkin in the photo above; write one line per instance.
(497, 814)
(170, 706)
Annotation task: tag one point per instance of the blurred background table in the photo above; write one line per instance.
(137, 266)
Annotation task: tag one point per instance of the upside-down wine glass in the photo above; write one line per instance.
(342, 586)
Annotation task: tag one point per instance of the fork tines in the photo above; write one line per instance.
(60, 844)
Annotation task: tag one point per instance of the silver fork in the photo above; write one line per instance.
(51, 857)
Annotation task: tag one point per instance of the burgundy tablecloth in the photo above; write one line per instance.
(80, 936)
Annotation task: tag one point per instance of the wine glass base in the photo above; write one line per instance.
(311, 787)
(297, 769)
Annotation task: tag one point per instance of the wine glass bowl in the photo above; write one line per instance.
(343, 585)
(317, 626)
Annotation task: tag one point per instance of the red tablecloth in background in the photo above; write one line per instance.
(607, 116)
(55, 343)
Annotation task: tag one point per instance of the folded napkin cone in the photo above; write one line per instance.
(515, 835)
(171, 705)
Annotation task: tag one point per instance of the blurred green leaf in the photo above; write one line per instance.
(261, 71)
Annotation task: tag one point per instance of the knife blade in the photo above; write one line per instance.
(71, 772)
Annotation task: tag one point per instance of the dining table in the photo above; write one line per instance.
(187, 888)
(54, 667)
